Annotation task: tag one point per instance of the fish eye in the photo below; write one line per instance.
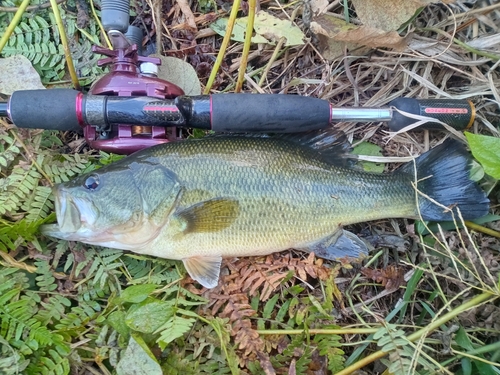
(91, 183)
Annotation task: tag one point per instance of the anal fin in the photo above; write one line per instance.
(342, 244)
(205, 270)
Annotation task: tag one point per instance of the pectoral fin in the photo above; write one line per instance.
(205, 270)
(342, 244)
(209, 216)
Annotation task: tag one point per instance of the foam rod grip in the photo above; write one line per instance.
(274, 113)
(53, 109)
(459, 114)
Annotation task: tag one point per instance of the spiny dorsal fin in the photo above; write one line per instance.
(330, 143)
(210, 216)
(205, 270)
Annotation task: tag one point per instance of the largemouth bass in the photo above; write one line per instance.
(204, 199)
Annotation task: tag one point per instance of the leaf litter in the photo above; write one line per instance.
(279, 314)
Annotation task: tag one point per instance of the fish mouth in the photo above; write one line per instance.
(73, 217)
(67, 212)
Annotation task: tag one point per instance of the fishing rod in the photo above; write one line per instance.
(66, 109)
(130, 107)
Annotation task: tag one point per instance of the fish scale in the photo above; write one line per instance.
(287, 195)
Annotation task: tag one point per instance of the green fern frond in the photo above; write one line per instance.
(16, 188)
(77, 318)
(174, 328)
(159, 271)
(12, 234)
(52, 363)
(62, 168)
(403, 357)
(53, 309)
(295, 350)
(104, 267)
(330, 346)
(86, 60)
(9, 150)
(39, 204)
(45, 281)
(12, 362)
(34, 39)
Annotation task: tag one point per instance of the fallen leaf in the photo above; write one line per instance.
(18, 74)
(340, 31)
(137, 361)
(273, 29)
(268, 29)
(319, 6)
(387, 15)
(180, 73)
(390, 277)
(188, 14)
(369, 149)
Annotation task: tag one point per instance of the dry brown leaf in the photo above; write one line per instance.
(319, 6)
(390, 277)
(266, 364)
(188, 14)
(340, 32)
(387, 15)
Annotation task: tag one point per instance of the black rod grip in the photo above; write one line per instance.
(53, 109)
(268, 113)
(459, 114)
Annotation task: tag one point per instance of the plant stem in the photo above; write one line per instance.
(10, 29)
(99, 23)
(246, 45)
(424, 331)
(468, 48)
(340, 331)
(482, 229)
(64, 41)
(223, 47)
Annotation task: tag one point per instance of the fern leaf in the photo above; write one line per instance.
(16, 188)
(53, 309)
(40, 204)
(401, 351)
(53, 363)
(11, 361)
(45, 280)
(104, 265)
(8, 150)
(329, 346)
(174, 328)
(295, 350)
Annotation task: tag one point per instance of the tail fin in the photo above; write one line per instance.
(443, 175)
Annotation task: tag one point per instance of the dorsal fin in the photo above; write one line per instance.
(330, 143)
